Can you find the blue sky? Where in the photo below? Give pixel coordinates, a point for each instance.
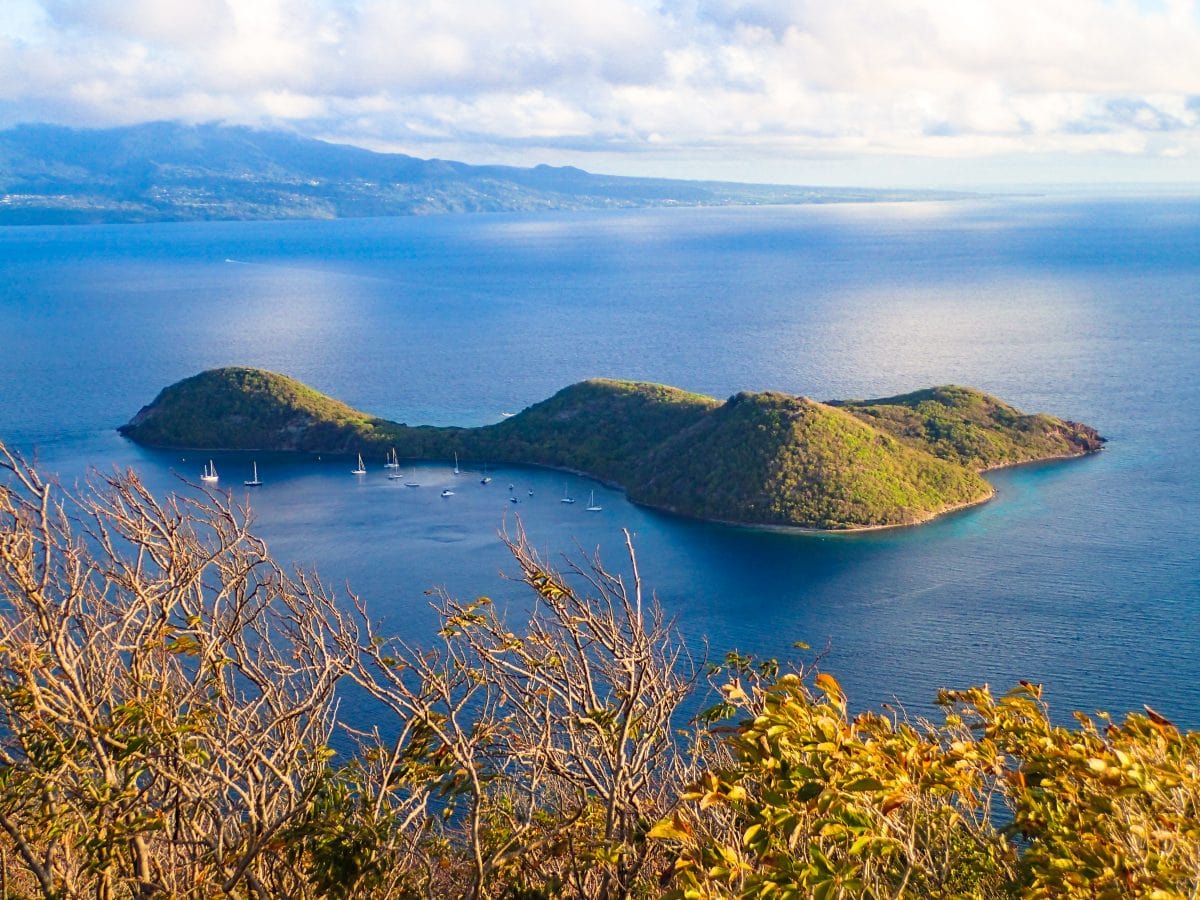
(881, 92)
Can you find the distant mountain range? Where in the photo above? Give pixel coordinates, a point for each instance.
(165, 171)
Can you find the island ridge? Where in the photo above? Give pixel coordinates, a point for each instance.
(766, 458)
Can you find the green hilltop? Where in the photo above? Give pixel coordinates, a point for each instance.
(758, 458)
(602, 427)
(972, 428)
(777, 459)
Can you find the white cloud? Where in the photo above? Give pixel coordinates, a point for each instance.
(180, 25)
(793, 78)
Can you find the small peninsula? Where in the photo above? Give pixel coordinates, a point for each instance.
(766, 458)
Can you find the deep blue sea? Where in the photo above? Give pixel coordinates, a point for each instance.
(1083, 575)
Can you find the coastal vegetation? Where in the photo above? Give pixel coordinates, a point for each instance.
(168, 709)
(776, 459)
(602, 427)
(973, 429)
(758, 458)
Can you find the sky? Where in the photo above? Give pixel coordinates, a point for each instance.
(906, 93)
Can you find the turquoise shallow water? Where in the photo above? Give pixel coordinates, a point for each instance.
(1083, 575)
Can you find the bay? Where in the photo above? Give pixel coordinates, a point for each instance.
(1082, 575)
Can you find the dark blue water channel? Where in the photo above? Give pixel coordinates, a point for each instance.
(1083, 575)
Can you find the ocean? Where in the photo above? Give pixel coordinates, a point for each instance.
(1082, 575)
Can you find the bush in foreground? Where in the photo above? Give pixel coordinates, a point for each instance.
(812, 802)
(168, 698)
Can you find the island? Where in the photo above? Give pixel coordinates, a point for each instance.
(763, 459)
(173, 172)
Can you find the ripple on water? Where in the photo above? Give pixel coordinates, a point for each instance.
(445, 533)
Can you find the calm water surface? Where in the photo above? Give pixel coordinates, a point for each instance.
(1083, 575)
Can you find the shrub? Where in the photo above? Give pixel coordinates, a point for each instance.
(168, 696)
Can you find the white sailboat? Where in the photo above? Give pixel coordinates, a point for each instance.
(393, 462)
(592, 507)
(566, 498)
(210, 472)
(456, 471)
(486, 479)
(361, 469)
(253, 482)
(414, 482)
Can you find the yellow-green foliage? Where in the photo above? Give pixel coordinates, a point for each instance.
(168, 696)
(1104, 810)
(996, 801)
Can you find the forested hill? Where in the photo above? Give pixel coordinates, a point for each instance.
(972, 428)
(758, 458)
(170, 172)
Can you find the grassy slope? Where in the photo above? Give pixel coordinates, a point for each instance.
(972, 428)
(765, 458)
(602, 427)
(596, 426)
(782, 460)
(248, 409)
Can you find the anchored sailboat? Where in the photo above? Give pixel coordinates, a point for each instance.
(253, 482)
(210, 472)
(361, 469)
(592, 507)
(393, 461)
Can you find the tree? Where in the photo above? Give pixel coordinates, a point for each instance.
(551, 747)
(166, 692)
(168, 697)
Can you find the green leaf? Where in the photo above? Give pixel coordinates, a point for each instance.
(669, 830)
(809, 791)
(865, 784)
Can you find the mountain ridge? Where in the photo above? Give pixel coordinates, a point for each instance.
(166, 171)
